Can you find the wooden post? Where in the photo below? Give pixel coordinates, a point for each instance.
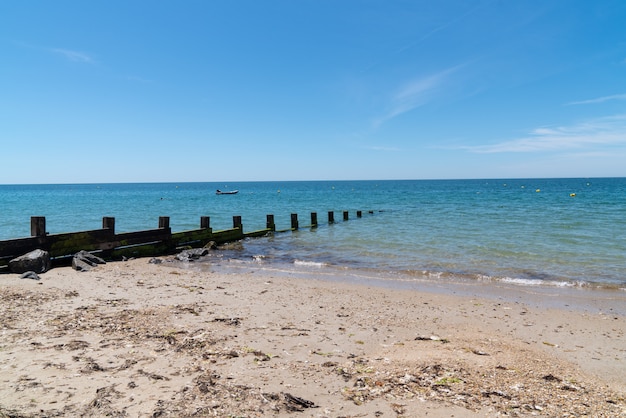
(237, 222)
(269, 224)
(164, 222)
(38, 226)
(331, 217)
(345, 215)
(108, 222)
(294, 221)
(313, 219)
(205, 222)
(358, 214)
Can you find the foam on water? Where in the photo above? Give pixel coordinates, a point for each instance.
(309, 263)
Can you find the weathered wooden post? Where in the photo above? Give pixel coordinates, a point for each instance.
(294, 221)
(331, 217)
(38, 226)
(108, 222)
(358, 214)
(237, 222)
(269, 223)
(164, 222)
(314, 219)
(205, 222)
(345, 215)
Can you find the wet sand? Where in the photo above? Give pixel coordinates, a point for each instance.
(144, 340)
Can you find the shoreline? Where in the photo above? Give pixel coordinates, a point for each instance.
(610, 300)
(143, 339)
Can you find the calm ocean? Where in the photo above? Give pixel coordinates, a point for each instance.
(555, 232)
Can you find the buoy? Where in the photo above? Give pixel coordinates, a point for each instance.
(572, 194)
(538, 190)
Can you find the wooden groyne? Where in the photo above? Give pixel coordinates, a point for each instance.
(148, 243)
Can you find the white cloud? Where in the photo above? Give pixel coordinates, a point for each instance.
(74, 55)
(600, 99)
(587, 135)
(415, 93)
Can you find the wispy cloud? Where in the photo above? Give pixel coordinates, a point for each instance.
(74, 55)
(68, 54)
(415, 93)
(587, 135)
(600, 99)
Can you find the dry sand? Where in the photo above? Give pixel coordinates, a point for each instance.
(139, 339)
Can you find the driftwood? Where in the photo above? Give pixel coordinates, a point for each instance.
(295, 403)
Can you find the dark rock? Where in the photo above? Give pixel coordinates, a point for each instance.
(192, 254)
(37, 261)
(85, 261)
(30, 275)
(80, 265)
(211, 245)
(232, 246)
(93, 259)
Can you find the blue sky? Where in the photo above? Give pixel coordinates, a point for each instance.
(151, 91)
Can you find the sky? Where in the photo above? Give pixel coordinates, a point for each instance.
(247, 90)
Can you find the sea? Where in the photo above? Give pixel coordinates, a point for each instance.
(551, 233)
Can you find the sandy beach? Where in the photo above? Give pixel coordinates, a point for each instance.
(143, 339)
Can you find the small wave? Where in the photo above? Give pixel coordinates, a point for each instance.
(538, 282)
(485, 278)
(309, 263)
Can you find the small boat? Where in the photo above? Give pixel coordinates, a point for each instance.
(226, 191)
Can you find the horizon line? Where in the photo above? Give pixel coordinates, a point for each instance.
(304, 181)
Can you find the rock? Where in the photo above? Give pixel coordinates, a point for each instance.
(232, 246)
(80, 265)
(89, 258)
(85, 261)
(192, 254)
(37, 261)
(30, 275)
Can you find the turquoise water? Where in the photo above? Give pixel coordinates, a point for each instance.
(526, 231)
